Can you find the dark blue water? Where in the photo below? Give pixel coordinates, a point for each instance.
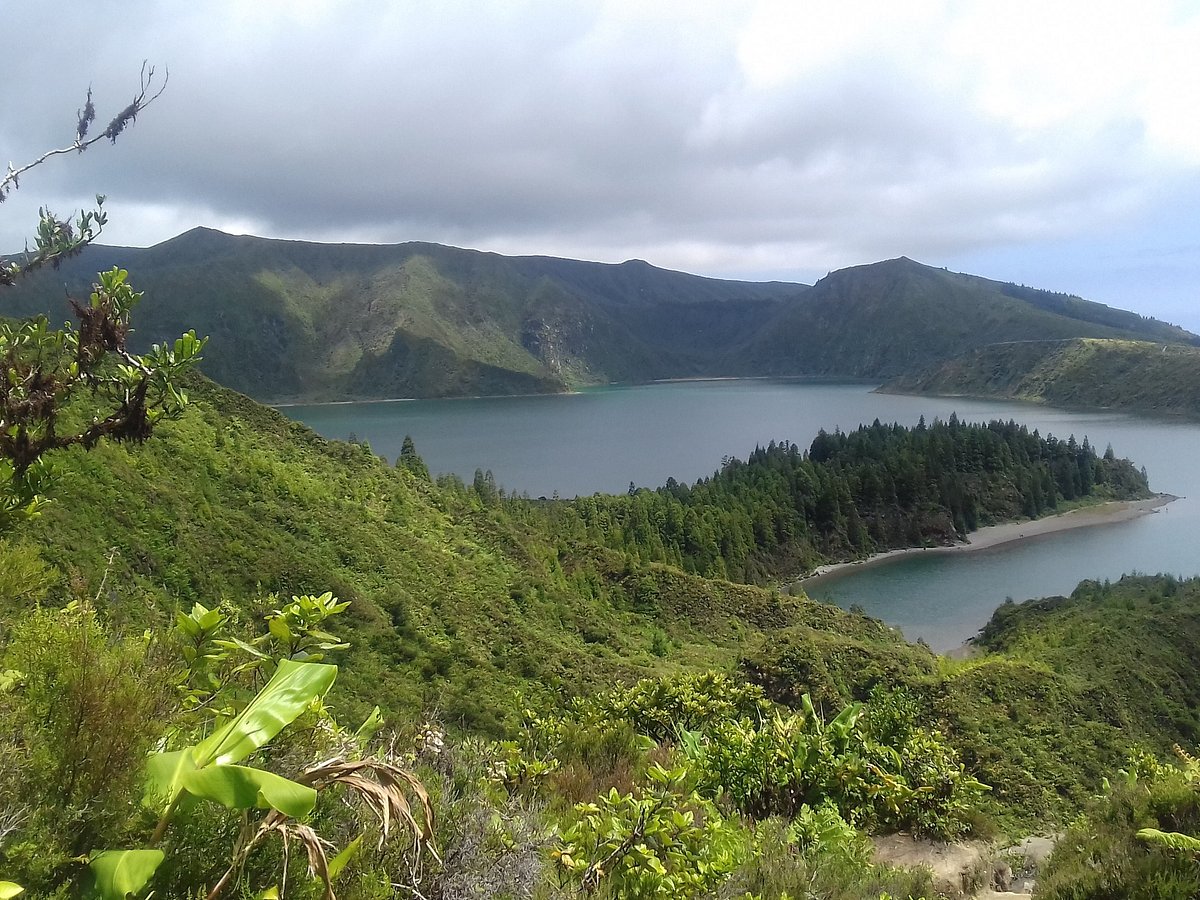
(606, 438)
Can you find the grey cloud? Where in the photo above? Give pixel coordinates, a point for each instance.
(545, 127)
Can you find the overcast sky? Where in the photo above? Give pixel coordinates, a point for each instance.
(1051, 143)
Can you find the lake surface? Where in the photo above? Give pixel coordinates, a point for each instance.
(603, 439)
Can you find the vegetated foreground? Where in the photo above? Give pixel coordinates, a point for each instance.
(470, 616)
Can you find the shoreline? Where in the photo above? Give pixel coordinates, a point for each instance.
(1006, 533)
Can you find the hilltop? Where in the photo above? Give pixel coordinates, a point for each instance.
(900, 316)
(300, 320)
(291, 320)
(1143, 376)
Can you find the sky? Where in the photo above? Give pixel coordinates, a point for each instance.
(1055, 144)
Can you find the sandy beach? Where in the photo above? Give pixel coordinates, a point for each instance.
(1011, 532)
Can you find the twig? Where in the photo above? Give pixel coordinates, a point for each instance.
(11, 180)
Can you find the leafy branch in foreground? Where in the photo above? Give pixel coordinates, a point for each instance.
(79, 384)
(59, 238)
(214, 769)
(76, 386)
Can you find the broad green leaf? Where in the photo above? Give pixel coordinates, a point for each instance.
(289, 692)
(339, 862)
(1172, 840)
(119, 873)
(242, 787)
(271, 893)
(9, 889)
(367, 729)
(279, 629)
(164, 774)
(236, 644)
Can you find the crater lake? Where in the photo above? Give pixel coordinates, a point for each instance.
(604, 439)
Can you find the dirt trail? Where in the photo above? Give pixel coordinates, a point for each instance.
(969, 869)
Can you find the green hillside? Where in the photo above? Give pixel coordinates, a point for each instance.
(293, 320)
(484, 616)
(899, 316)
(1111, 374)
(464, 598)
(290, 320)
(453, 596)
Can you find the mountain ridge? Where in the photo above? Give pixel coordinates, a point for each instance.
(295, 320)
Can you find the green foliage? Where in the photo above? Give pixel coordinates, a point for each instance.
(1092, 635)
(86, 708)
(818, 854)
(451, 604)
(782, 765)
(411, 460)
(1172, 840)
(292, 690)
(878, 488)
(1139, 376)
(661, 708)
(665, 843)
(1135, 840)
(77, 766)
(25, 579)
(119, 874)
(77, 386)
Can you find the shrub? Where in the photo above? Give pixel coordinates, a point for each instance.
(86, 707)
(667, 842)
(1104, 855)
(660, 707)
(779, 767)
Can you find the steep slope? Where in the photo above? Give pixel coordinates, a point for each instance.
(899, 316)
(295, 320)
(290, 319)
(1134, 375)
(1061, 691)
(454, 602)
(476, 608)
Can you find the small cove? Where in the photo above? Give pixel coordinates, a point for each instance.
(603, 439)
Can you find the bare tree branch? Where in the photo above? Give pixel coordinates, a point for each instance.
(86, 116)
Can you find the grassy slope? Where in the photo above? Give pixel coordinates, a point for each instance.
(453, 603)
(1063, 689)
(1118, 374)
(290, 319)
(463, 607)
(897, 316)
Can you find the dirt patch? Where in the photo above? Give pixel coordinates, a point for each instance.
(969, 869)
(958, 869)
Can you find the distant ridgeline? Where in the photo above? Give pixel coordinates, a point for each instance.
(299, 321)
(878, 488)
(1083, 372)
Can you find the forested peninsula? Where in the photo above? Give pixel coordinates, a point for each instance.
(881, 487)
